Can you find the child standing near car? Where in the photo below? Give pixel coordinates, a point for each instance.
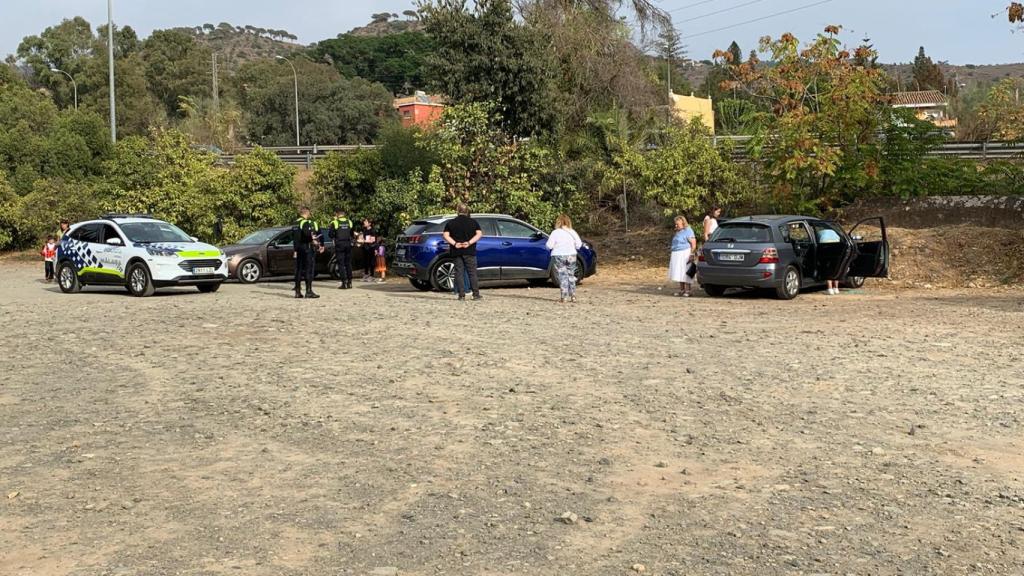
(380, 265)
(49, 253)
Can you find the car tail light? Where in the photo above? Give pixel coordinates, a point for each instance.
(417, 239)
(769, 256)
(700, 257)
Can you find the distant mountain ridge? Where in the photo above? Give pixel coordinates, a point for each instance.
(236, 45)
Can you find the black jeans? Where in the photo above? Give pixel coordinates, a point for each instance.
(466, 264)
(368, 254)
(343, 256)
(305, 266)
(48, 269)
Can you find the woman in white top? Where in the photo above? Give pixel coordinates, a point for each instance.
(711, 222)
(563, 243)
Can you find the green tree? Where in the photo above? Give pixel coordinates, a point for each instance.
(735, 54)
(259, 191)
(485, 54)
(175, 66)
(1003, 112)
(927, 74)
(332, 109)
(394, 60)
(346, 180)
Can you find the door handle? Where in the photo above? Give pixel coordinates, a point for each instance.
(506, 243)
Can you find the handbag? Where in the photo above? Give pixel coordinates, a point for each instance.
(692, 270)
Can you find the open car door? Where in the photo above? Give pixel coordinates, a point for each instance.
(872, 241)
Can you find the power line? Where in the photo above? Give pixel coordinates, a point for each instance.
(738, 24)
(694, 5)
(722, 11)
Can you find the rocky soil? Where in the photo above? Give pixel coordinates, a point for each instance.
(388, 431)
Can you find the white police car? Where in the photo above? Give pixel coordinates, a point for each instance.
(138, 252)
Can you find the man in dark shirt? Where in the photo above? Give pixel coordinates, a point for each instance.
(306, 242)
(341, 231)
(462, 233)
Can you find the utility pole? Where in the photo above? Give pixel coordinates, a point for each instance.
(110, 65)
(216, 90)
(73, 83)
(296, 76)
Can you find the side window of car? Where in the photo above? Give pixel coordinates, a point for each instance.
(285, 239)
(87, 233)
(826, 233)
(510, 229)
(107, 232)
(488, 226)
(798, 233)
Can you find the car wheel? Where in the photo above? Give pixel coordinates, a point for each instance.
(140, 283)
(790, 284)
(249, 271)
(423, 285)
(67, 279)
(208, 288)
(442, 276)
(333, 269)
(853, 282)
(713, 290)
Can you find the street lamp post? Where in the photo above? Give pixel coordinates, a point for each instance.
(295, 75)
(110, 66)
(73, 83)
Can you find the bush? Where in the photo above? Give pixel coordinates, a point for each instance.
(258, 192)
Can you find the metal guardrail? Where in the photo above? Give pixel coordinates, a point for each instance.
(981, 151)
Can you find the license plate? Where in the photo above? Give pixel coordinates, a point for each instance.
(400, 253)
(203, 270)
(731, 257)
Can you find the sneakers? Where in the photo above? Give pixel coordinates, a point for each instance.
(311, 294)
(298, 294)
(832, 291)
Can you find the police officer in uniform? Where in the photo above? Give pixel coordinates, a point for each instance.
(341, 231)
(307, 243)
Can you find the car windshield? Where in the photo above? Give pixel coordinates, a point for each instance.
(153, 232)
(742, 232)
(259, 237)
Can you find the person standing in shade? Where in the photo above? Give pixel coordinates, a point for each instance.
(368, 242)
(462, 233)
(684, 242)
(306, 240)
(711, 222)
(341, 232)
(564, 242)
(829, 236)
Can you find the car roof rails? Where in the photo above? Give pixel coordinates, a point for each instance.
(122, 216)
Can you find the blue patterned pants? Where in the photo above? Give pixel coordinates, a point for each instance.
(565, 271)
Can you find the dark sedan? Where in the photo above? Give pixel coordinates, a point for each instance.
(268, 252)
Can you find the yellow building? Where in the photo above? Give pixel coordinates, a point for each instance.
(687, 108)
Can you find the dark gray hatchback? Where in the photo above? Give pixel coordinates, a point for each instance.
(790, 253)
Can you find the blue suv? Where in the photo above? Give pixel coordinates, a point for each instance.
(510, 249)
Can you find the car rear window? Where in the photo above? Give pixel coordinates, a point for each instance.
(742, 232)
(423, 228)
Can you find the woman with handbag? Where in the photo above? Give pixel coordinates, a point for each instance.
(683, 245)
(564, 242)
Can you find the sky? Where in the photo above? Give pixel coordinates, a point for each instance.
(957, 31)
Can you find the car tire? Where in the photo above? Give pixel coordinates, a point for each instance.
(853, 282)
(790, 286)
(138, 281)
(333, 269)
(581, 271)
(442, 275)
(249, 271)
(208, 288)
(67, 279)
(421, 285)
(713, 290)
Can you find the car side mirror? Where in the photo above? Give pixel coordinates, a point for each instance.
(538, 236)
(194, 239)
(114, 242)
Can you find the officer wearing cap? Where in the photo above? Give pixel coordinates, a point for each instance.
(306, 234)
(341, 231)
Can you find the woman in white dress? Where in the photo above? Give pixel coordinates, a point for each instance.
(684, 242)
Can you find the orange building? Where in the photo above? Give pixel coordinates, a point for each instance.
(419, 110)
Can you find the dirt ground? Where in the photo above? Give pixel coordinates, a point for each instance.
(387, 431)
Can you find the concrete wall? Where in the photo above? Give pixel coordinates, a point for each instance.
(689, 107)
